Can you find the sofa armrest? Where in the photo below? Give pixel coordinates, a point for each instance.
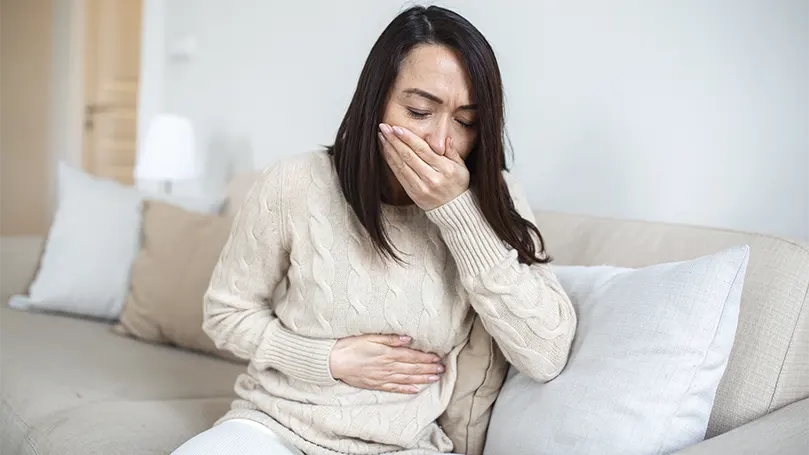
(19, 261)
(783, 432)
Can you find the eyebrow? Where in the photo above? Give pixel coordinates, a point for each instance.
(429, 96)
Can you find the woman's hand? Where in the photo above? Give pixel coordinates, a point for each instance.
(429, 178)
(382, 362)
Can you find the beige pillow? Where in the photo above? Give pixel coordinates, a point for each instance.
(170, 276)
(482, 369)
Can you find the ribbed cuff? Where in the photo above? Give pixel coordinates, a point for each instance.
(469, 237)
(299, 357)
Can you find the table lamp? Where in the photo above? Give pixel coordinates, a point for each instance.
(169, 151)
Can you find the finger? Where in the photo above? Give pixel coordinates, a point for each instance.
(391, 158)
(416, 159)
(390, 340)
(414, 378)
(399, 388)
(417, 368)
(452, 153)
(406, 176)
(408, 160)
(407, 355)
(404, 173)
(418, 145)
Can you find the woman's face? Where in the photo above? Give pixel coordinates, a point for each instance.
(431, 97)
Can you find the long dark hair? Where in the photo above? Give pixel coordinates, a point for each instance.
(358, 160)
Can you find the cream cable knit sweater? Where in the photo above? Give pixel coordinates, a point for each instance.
(298, 273)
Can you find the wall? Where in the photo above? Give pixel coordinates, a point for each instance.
(674, 110)
(67, 85)
(25, 78)
(153, 63)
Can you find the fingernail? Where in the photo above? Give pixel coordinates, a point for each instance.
(398, 131)
(433, 378)
(384, 128)
(437, 359)
(380, 136)
(404, 338)
(414, 389)
(440, 369)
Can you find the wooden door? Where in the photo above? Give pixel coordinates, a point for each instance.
(112, 70)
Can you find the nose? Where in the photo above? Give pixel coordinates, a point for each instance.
(437, 136)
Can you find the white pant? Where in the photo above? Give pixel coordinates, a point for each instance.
(237, 437)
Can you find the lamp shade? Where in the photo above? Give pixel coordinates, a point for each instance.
(169, 150)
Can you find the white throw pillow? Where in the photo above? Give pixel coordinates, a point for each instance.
(651, 347)
(91, 245)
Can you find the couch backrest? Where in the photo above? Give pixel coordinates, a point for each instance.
(237, 191)
(769, 363)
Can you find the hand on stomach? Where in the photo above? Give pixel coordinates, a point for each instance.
(383, 362)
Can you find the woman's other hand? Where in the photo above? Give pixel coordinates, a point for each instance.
(383, 362)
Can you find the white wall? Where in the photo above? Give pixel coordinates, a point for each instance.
(67, 86)
(673, 110)
(153, 63)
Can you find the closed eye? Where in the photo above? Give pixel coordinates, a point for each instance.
(417, 114)
(465, 124)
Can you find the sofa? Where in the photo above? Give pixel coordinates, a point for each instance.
(70, 386)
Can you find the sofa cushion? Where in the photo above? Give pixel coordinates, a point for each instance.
(91, 244)
(119, 428)
(179, 250)
(237, 190)
(651, 347)
(769, 363)
(63, 376)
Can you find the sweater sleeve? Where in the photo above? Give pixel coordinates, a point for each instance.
(238, 312)
(524, 308)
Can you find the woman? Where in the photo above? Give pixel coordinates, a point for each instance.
(352, 276)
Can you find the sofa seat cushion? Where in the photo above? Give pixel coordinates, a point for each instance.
(70, 386)
(119, 428)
